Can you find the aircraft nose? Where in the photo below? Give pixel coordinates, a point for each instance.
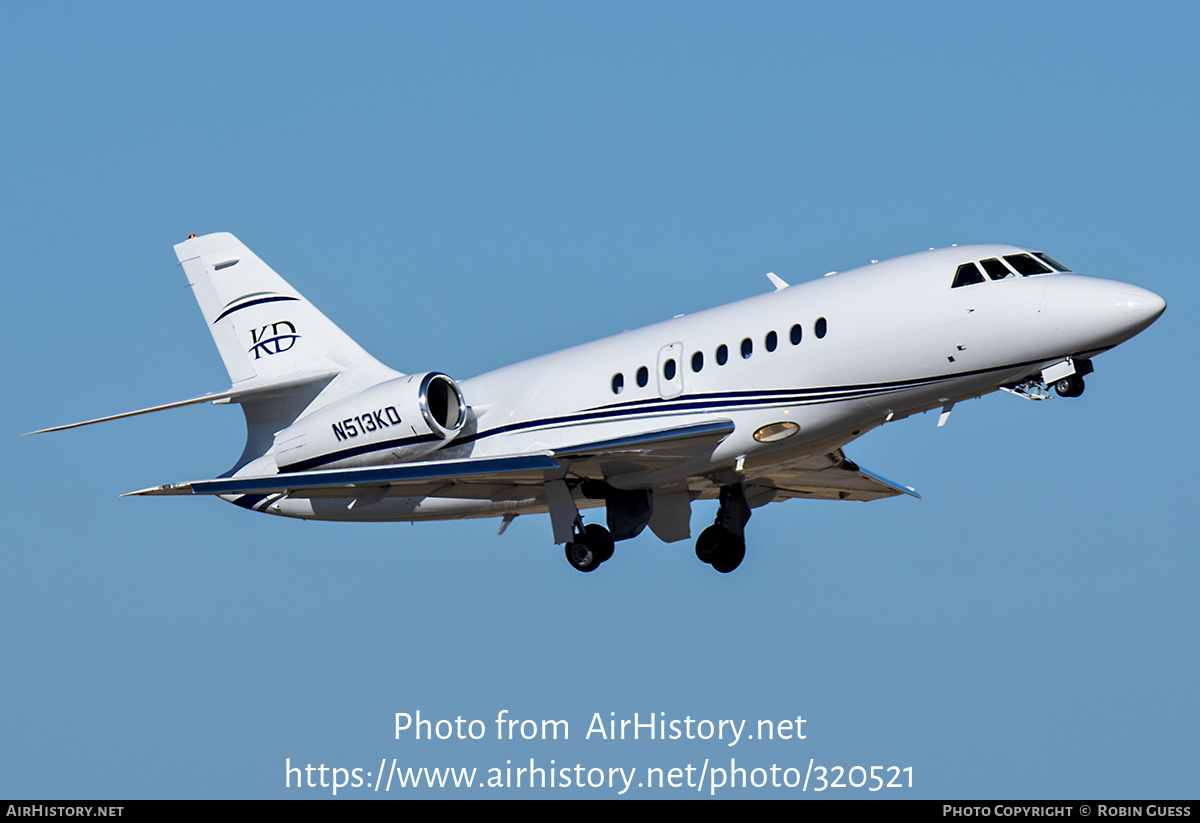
(1090, 313)
(1146, 302)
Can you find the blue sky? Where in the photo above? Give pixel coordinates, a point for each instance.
(462, 186)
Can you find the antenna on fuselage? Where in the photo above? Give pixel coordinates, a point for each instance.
(778, 281)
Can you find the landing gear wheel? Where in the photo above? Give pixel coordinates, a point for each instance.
(720, 549)
(583, 556)
(730, 555)
(708, 544)
(723, 544)
(1071, 386)
(601, 540)
(593, 544)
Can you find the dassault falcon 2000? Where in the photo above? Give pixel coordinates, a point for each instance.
(747, 403)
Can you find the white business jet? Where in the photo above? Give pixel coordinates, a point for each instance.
(747, 403)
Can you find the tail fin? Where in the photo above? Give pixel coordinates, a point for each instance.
(280, 351)
(264, 329)
(283, 356)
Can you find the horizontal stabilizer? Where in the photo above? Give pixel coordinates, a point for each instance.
(246, 391)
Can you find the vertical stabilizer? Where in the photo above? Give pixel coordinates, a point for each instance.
(270, 336)
(264, 329)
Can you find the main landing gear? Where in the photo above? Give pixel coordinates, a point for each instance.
(591, 546)
(723, 544)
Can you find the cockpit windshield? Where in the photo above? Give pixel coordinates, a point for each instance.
(1025, 265)
(968, 274)
(1054, 264)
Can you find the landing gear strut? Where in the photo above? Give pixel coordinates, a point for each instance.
(592, 545)
(723, 544)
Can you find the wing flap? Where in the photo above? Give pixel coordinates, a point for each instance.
(645, 452)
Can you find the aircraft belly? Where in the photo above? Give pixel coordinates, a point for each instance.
(934, 394)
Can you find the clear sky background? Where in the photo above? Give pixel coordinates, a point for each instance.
(461, 186)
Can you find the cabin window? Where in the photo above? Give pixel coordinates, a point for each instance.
(1050, 261)
(697, 361)
(967, 275)
(995, 269)
(643, 376)
(618, 383)
(669, 369)
(722, 354)
(747, 348)
(1025, 265)
(796, 334)
(820, 327)
(772, 340)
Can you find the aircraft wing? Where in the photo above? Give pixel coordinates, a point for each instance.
(413, 478)
(827, 476)
(647, 451)
(494, 478)
(823, 477)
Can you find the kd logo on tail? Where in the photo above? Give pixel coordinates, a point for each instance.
(281, 338)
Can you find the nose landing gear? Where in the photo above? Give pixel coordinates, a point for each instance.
(1070, 386)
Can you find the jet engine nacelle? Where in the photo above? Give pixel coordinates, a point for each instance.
(394, 422)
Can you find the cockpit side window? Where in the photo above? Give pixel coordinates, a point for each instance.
(1054, 264)
(967, 275)
(995, 269)
(1025, 265)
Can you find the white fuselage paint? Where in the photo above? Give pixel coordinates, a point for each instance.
(899, 341)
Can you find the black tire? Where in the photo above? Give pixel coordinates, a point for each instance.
(582, 556)
(731, 554)
(1071, 386)
(708, 544)
(601, 540)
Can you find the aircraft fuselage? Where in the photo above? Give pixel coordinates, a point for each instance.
(747, 403)
(836, 356)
